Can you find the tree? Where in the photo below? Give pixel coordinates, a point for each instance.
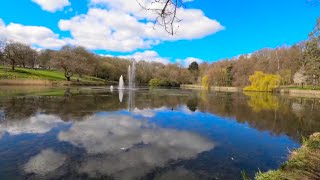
(263, 82)
(205, 84)
(286, 77)
(65, 59)
(16, 53)
(229, 78)
(312, 54)
(194, 69)
(32, 59)
(2, 46)
(86, 63)
(300, 77)
(45, 58)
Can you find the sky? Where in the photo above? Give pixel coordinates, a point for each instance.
(210, 30)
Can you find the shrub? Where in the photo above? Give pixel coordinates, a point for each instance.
(157, 82)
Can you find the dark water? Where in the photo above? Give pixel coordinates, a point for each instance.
(148, 134)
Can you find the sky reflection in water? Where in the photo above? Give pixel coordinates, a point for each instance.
(156, 134)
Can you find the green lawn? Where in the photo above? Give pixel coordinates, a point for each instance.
(32, 74)
(304, 88)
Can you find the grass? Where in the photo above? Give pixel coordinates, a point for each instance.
(51, 75)
(303, 163)
(304, 88)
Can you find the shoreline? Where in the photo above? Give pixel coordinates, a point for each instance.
(214, 88)
(282, 91)
(303, 163)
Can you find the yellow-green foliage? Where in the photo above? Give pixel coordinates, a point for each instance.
(262, 101)
(263, 82)
(205, 82)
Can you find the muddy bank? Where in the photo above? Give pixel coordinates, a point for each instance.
(213, 88)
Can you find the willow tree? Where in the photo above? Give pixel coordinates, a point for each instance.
(263, 82)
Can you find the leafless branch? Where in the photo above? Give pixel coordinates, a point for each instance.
(166, 13)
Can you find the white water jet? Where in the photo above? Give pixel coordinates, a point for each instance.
(121, 83)
(132, 75)
(111, 88)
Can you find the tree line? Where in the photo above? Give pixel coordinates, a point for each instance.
(77, 60)
(298, 64)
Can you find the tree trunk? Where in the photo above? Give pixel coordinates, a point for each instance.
(13, 66)
(68, 75)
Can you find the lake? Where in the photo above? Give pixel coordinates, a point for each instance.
(93, 133)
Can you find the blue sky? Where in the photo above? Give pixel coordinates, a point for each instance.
(211, 29)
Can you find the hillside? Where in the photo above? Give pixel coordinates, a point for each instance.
(30, 76)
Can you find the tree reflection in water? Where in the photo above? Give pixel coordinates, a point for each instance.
(87, 129)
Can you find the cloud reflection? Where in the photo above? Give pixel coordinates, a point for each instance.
(38, 124)
(45, 162)
(130, 148)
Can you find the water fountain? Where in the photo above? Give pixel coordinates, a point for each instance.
(131, 86)
(132, 75)
(121, 83)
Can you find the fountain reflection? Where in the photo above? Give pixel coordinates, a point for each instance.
(131, 100)
(120, 91)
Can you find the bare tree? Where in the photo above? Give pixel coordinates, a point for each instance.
(65, 60)
(16, 53)
(2, 46)
(166, 13)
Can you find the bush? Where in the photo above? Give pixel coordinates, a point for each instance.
(263, 82)
(156, 82)
(205, 82)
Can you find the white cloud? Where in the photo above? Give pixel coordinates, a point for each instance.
(149, 56)
(32, 35)
(52, 5)
(124, 26)
(186, 62)
(153, 56)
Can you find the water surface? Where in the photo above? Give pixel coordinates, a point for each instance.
(92, 133)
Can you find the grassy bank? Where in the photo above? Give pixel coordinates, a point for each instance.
(303, 163)
(24, 76)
